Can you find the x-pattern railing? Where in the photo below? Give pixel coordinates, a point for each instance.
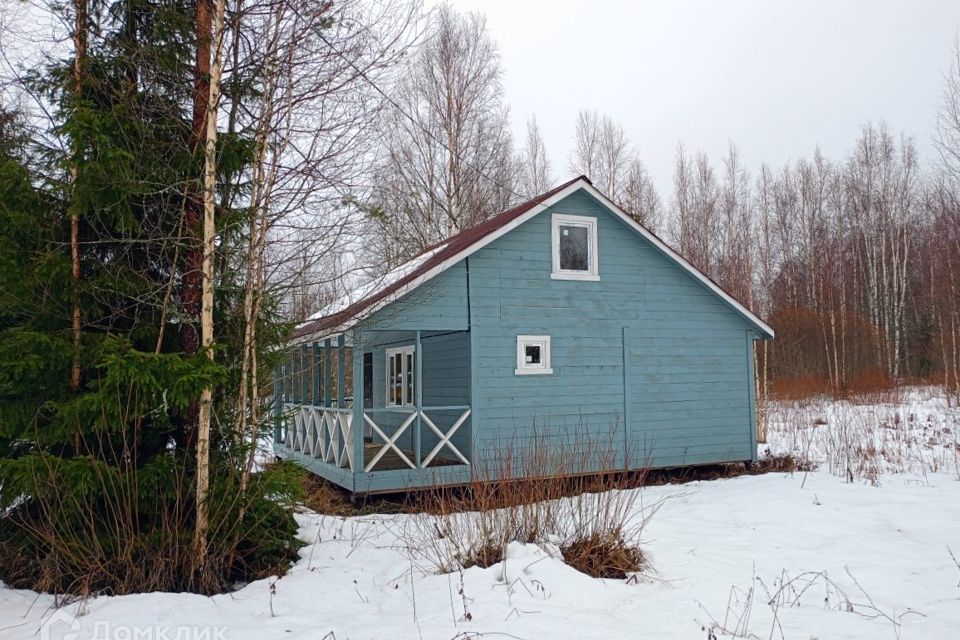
(321, 432)
(326, 433)
(389, 443)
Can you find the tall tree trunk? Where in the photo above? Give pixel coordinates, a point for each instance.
(80, 52)
(250, 290)
(192, 283)
(206, 312)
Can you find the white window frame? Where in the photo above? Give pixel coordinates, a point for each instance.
(525, 369)
(404, 371)
(593, 270)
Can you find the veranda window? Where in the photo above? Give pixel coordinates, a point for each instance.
(401, 364)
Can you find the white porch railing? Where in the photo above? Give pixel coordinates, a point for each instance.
(390, 442)
(321, 432)
(327, 434)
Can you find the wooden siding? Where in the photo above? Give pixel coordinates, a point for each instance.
(681, 378)
(439, 304)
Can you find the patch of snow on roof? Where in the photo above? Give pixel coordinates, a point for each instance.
(386, 280)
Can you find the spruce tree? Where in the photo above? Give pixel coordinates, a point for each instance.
(97, 478)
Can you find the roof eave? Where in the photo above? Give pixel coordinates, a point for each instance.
(333, 324)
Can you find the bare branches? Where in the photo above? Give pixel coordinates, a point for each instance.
(448, 160)
(603, 152)
(947, 136)
(318, 121)
(534, 164)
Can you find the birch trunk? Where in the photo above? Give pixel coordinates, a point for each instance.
(206, 312)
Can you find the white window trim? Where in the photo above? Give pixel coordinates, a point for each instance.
(593, 255)
(386, 375)
(524, 369)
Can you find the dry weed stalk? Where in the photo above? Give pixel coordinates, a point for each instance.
(791, 591)
(862, 440)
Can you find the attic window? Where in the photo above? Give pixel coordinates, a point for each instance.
(533, 355)
(574, 248)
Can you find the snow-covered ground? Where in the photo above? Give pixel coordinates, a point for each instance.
(807, 555)
(907, 430)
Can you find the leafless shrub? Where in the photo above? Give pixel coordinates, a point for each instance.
(577, 502)
(955, 561)
(781, 463)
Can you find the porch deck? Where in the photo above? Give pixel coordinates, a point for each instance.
(407, 449)
(391, 460)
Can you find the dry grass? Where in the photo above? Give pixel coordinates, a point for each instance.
(780, 463)
(900, 430)
(867, 386)
(604, 556)
(799, 387)
(325, 497)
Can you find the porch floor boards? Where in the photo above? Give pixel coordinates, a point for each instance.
(391, 461)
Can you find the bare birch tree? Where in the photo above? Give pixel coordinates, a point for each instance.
(587, 143)
(314, 130)
(639, 197)
(534, 164)
(945, 227)
(947, 136)
(734, 251)
(448, 157)
(881, 177)
(763, 276)
(603, 152)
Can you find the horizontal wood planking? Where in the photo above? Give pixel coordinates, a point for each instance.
(688, 387)
(402, 479)
(440, 303)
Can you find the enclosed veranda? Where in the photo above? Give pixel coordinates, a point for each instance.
(377, 411)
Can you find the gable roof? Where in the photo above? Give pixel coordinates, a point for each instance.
(440, 257)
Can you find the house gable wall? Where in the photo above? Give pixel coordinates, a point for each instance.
(647, 340)
(650, 367)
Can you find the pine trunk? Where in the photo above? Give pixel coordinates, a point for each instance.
(80, 52)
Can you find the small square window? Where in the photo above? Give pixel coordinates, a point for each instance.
(574, 248)
(533, 355)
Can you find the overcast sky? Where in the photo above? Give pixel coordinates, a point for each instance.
(776, 77)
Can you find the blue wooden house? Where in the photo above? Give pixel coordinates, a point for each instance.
(558, 326)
